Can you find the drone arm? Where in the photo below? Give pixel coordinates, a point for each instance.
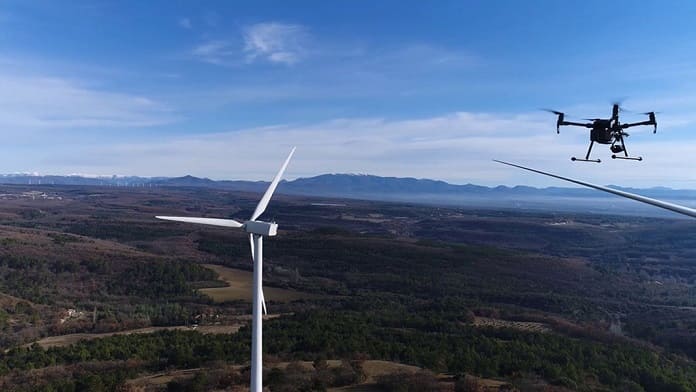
(586, 125)
(651, 121)
(629, 125)
(648, 122)
(561, 121)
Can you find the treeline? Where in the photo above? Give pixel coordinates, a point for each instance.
(87, 377)
(452, 348)
(488, 353)
(123, 231)
(160, 350)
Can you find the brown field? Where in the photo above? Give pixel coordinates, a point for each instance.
(66, 340)
(40, 243)
(161, 379)
(372, 368)
(240, 287)
(528, 326)
(375, 369)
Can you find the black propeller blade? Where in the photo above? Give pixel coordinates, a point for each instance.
(553, 111)
(651, 118)
(561, 117)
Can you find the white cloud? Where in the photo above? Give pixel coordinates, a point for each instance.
(456, 147)
(275, 42)
(37, 102)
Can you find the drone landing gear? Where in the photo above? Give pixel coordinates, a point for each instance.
(616, 148)
(629, 158)
(587, 157)
(585, 160)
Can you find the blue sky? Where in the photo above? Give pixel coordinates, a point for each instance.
(400, 88)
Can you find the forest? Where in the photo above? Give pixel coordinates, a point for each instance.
(387, 283)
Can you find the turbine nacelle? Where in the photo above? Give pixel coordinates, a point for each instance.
(261, 228)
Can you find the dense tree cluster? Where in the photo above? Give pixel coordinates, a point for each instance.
(488, 353)
(160, 279)
(122, 231)
(321, 334)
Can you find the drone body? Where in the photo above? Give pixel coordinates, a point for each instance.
(607, 131)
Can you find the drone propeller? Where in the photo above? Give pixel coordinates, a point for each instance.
(553, 111)
(591, 119)
(619, 101)
(651, 117)
(559, 122)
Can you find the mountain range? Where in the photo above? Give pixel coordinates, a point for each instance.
(359, 186)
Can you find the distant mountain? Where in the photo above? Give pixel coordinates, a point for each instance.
(350, 186)
(368, 184)
(185, 181)
(36, 179)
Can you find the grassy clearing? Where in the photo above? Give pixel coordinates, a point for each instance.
(240, 287)
(527, 326)
(66, 340)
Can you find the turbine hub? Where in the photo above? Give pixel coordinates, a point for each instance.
(266, 229)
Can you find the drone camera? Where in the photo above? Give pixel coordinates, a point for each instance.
(616, 148)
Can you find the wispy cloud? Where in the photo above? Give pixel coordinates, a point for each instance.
(423, 56)
(217, 52)
(275, 42)
(290, 44)
(185, 23)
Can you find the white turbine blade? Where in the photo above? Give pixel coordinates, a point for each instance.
(251, 243)
(203, 221)
(657, 203)
(253, 258)
(263, 303)
(263, 203)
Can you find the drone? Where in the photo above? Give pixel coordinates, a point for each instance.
(606, 131)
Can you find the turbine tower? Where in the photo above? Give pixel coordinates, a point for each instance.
(257, 230)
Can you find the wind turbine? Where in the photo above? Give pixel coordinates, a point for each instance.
(257, 230)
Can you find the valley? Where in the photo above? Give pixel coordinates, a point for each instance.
(529, 299)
